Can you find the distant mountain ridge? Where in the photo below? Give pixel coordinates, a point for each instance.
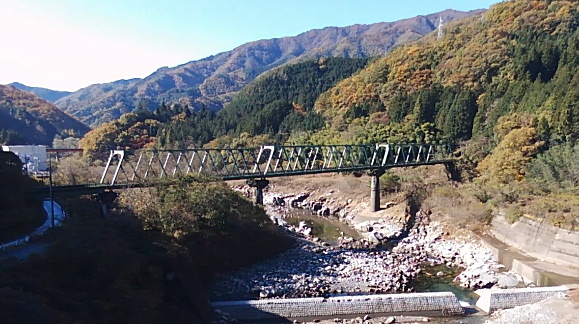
(46, 94)
(212, 81)
(28, 119)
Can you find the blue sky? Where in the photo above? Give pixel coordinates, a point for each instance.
(70, 44)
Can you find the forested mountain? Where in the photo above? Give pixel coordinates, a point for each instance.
(27, 119)
(109, 101)
(504, 84)
(46, 94)
(212, 81)
(280, 101)
(520, 58)
(515, 66)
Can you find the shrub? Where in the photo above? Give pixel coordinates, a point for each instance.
(192, 205)
(487, 216)
(390, 182)
(513, 214)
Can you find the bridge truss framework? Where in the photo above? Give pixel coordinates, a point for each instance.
(138, 167)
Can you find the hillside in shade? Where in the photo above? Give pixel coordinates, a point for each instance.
(28, 119)
(212, 81)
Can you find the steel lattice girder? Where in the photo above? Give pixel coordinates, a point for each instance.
(268, 161)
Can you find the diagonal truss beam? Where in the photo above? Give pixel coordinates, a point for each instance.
(268, 161)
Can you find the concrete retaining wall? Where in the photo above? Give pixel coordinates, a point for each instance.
(541, 240)
(444, 302)
(494, 299)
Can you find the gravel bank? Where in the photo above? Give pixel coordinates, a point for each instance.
(312, 269)
(550, 311)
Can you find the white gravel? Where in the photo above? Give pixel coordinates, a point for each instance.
(313, 270)
(550, 311)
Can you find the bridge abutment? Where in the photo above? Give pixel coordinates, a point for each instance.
(259, 185)
(375, 189)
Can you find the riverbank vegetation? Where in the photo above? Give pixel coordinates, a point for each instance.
(205, 214)
(147, 262)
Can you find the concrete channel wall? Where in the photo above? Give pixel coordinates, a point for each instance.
(494, 299)
(445, 303)
(538, 239)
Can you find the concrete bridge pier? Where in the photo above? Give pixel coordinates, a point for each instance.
(452, 171)
(259, 185)
(375, 189)
(107, 199)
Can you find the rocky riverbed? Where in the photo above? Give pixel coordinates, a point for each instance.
(314, 268)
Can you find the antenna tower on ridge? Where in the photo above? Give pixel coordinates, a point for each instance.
(440, 31)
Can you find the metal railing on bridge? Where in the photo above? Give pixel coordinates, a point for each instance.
(268, 161)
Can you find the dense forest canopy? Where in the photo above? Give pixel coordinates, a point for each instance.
(132, 131)
(520, 56)
(277, 103)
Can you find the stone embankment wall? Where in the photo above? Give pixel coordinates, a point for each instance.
(443, 303)
(494, 299)
(540, 240)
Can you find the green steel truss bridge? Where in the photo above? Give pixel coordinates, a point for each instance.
(134, 168)
(147, 168)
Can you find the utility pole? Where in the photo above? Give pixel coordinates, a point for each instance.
(50, 189)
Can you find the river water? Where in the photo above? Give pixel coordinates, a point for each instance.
(329, 230)
(431, 279)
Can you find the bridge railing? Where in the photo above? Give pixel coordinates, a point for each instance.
(267, 161)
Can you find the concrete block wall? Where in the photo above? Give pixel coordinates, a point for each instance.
(444, 302)
(539, 239)
(494, 299)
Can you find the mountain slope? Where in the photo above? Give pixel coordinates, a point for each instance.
(520, 58)
(212, 81)
(46, 94)
(279, 101)
(27, 119)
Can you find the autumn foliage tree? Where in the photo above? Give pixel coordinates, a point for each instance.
(509, 159)
(132, 131)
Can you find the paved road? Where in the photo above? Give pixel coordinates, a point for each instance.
(22, 252)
